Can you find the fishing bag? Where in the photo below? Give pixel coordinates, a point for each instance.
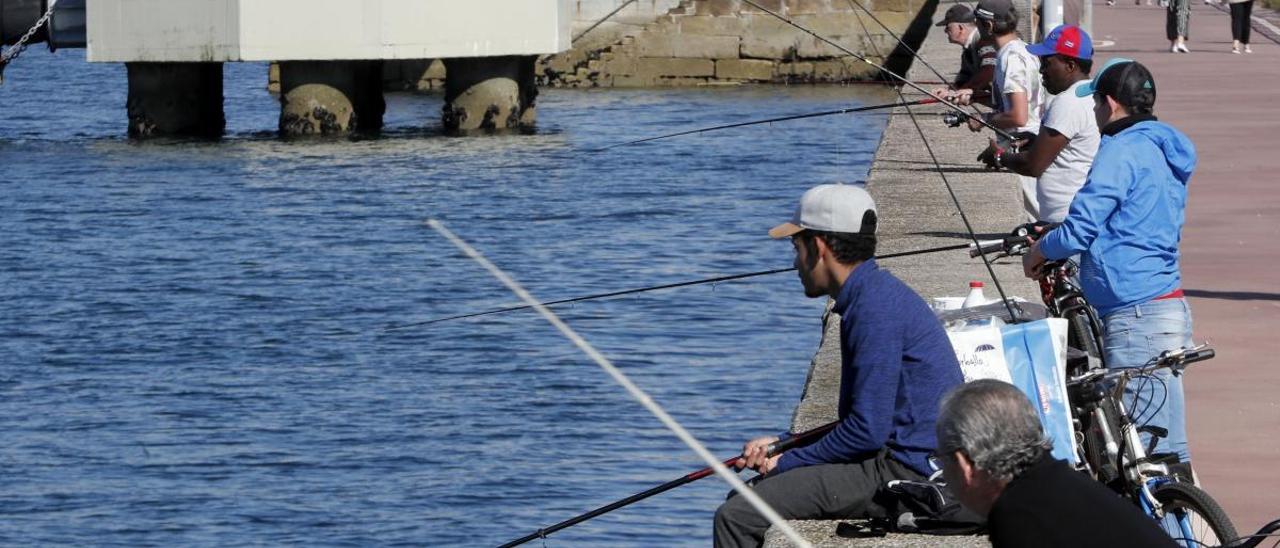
(929, 508)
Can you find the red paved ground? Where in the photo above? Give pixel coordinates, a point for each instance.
(1227, 104)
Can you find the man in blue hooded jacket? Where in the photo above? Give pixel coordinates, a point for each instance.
(1126, 222)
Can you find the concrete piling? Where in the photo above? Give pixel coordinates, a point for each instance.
(490, 93)
(175, 99)
(330, 97)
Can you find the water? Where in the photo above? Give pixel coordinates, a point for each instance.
(193, 346)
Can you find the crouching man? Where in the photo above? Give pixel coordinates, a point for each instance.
(896, 363)
(995, 458)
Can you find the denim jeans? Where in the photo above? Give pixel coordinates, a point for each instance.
(1134, 336)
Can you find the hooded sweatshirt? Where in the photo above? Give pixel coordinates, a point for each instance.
(1127, 218)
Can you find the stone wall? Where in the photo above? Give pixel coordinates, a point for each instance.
(708, 42)
(728, 41)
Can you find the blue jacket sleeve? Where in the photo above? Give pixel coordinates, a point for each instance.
(876, 371)
(1103, 192)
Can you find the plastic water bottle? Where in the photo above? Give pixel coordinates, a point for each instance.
(975, 298)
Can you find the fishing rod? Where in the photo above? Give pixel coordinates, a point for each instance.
(960, 110)
(899, 39)
(776, 448)
(769, 121)
(620, 293)
(636, 392)
(901, 42)
(986, 261)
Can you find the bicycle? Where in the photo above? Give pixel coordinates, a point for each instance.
(1186, 512)
(1107, 439)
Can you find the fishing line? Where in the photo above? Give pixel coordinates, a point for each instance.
(914, 54)
(720, 469)
(986, 261)
(619, 293)
(882, 69)
(767, 121)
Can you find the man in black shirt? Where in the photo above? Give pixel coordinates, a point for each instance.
(995, 458)
(977, 61)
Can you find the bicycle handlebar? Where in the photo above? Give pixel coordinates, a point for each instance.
(1170, 358)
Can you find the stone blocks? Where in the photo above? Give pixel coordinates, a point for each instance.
(745, 69)
(673, 67)
(708, 41)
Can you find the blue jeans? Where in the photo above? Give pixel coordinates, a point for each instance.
(1134, 336)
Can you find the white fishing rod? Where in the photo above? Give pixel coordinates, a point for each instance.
(720, 469)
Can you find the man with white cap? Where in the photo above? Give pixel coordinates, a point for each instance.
(896, 363)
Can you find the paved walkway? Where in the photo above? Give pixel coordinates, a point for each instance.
(1231, 243)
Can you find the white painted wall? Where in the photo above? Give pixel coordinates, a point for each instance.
(303, 30)
(586, 12)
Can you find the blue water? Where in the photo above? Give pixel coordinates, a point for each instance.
(193, 345)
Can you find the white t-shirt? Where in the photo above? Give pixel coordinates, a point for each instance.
(1072, 117)
(1018, 70)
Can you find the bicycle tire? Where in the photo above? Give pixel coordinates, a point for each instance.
(1204, 517)
(1081, 335)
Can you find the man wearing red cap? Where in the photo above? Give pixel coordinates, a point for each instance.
(1061, 155)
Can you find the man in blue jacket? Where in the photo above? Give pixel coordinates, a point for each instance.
(896, 363)
(1126, 221)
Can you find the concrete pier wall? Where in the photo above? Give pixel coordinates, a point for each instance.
(728, 41)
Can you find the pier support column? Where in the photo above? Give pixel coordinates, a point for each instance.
(330, 97)
(175, 99)
(490, 93)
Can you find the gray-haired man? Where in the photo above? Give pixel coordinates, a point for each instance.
(995, 458)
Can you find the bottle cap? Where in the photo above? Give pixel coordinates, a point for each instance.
(975, 284)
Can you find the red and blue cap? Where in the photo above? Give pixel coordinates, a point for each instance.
(1068, 40)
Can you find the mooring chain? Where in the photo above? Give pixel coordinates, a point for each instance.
(21, 46)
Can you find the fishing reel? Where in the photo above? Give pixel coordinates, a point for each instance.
(952, 118)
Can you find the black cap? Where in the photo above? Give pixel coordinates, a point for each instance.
(958, 13)
(995, 10)
(1129, 83)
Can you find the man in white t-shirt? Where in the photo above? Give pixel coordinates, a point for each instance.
(1016, 91)
(1061, 155)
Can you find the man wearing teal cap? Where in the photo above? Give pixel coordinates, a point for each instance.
(1126, 222)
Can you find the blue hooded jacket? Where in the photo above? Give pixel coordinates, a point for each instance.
(1127, 218)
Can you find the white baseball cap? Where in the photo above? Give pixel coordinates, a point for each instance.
(831, 208)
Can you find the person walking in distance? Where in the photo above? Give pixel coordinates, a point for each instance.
(1177, 23)
(1241, 13)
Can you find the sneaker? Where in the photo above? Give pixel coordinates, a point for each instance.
(1182, 48)
(1235, 50)
(1247, 49)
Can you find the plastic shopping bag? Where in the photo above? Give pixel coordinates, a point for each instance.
(1036, 353)
(980, 353)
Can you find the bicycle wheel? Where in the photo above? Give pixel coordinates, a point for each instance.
(1192, 517)
(1082, 335)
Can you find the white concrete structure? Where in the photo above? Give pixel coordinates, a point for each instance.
(586, 12)
(323, 30)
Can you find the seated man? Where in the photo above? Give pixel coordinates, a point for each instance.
(896, 363)
(995, 458)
